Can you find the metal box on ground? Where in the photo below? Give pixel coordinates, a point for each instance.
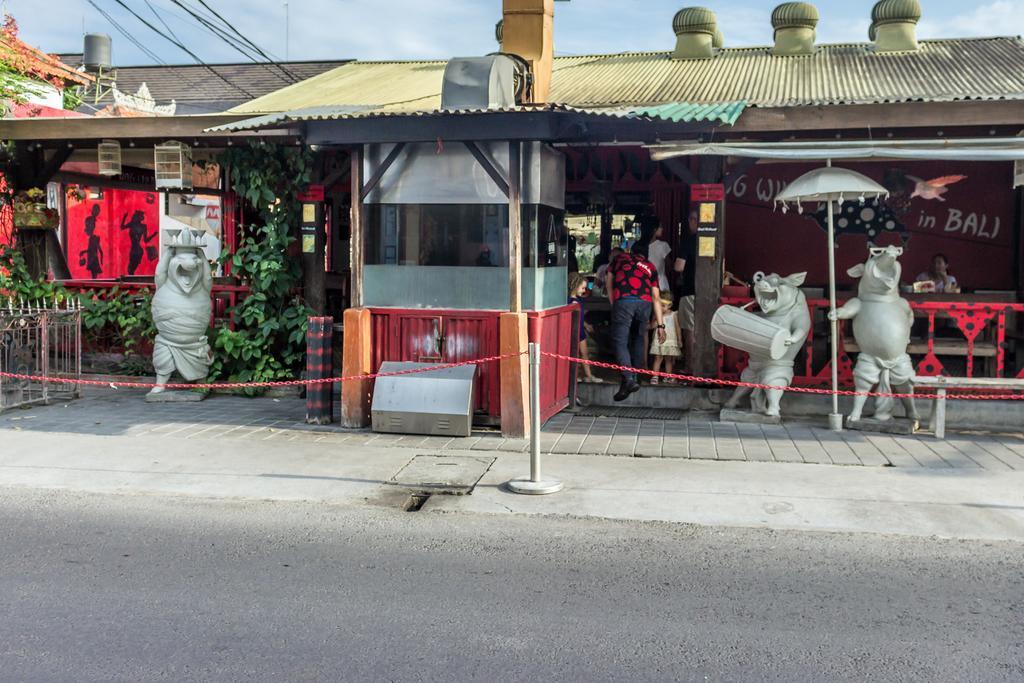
(437, 402)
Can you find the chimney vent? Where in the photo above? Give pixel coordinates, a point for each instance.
(498, 30)
(794, 24)
(894, 25)
(696, 33)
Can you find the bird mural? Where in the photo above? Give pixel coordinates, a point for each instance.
(934, 188)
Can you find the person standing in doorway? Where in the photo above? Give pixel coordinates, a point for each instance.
(686, 289)
(657, 253)
(632, 285)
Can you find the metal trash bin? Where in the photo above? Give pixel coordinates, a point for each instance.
(437, 402)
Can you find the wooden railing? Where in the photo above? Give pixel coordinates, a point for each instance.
(948, 338)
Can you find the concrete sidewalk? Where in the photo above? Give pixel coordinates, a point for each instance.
(953, 503)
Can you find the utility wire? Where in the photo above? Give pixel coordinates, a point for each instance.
(256, 47)
(161, 20)
(182, 47)
(234, 43)
(156, 58)
(149, 53)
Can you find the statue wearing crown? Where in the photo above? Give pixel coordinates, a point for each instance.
(181, 311)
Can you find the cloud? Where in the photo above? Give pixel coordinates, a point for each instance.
(414, 29)
(999, 18)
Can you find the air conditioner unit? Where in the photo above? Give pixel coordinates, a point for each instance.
(479, 83)
(172, 163)
(109, 157)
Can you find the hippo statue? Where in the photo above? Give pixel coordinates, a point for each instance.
(881, 327)
(783, 304)
(181, 311)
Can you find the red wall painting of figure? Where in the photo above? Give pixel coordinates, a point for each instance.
(114, 235)
(961, 209)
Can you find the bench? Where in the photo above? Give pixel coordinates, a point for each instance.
(937, 416)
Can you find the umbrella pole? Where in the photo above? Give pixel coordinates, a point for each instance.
(835, 418)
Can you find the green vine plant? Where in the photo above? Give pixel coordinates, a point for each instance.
(268, 341)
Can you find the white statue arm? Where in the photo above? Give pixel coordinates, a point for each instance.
(800, 327)
(160, 276)
(848, 310)
(207, 276)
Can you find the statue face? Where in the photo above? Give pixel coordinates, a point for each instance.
(881, 273)
(185, 270)
(775, 293)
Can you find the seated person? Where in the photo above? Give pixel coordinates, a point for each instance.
(938, 274)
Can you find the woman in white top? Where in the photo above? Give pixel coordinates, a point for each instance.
(939, 274)
(657, 253)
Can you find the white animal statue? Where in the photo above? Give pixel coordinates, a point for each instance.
(881, 327)
(181, 311)
(783, 304)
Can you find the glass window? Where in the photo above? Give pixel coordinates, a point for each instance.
(437, 234)
(462, 235)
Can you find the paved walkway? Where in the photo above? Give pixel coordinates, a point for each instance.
(698, 436)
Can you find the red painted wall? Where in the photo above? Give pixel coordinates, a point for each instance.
(974, 226)
(125, 236)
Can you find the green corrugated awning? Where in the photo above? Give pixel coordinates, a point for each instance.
(678, 112)
(674, 112)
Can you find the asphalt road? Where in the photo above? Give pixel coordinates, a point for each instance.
(124, 588)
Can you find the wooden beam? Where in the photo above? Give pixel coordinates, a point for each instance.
(117, 127)
(515, 229)
(60, 155)
(878, 117)
(313, 268)
(356, 230)
(486, 164)
(708, 275)
(378, 174)
(680, 167)
(72, 178)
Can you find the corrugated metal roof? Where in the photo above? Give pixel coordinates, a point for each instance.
(676, 112)
(942, 70)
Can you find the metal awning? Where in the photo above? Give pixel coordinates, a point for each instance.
(673, 112)
(966, 149)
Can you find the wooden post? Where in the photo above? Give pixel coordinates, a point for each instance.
(314, 244)
(515, 229)
(512, 331)
(355, 261)
(709, 196)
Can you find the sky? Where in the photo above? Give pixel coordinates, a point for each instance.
(418, 29)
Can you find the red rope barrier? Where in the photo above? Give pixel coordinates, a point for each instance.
(692, 379)
(253, 385)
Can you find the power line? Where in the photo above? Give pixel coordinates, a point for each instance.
(149, 53)
(256, 47)
(227, 38)
(156, 58)
(182, 47)
(161, 20)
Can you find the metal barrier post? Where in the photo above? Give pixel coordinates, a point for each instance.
(534, 485)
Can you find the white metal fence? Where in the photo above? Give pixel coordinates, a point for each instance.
(42, 340)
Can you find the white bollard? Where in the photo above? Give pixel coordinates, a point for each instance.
(534, 485)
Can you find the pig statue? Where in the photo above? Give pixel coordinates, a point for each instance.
(782, 303)
(881, 327)
(181, 312)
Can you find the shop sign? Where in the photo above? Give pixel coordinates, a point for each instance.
(313, 193)
(708, 192)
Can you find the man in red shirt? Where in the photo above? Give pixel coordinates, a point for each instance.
(632, 286)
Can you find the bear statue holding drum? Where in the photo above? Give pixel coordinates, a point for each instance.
(772, 337)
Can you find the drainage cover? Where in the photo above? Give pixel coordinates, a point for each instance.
(455, 474)
(640, 412)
